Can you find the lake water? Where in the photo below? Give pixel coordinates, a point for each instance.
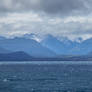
(45, 76)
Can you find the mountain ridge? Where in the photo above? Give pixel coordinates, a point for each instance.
(67, 47)
(29, 46)
(49, 46)
(15, 56)
(22, 56)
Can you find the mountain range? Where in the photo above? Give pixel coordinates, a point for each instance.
(15, 56)
(22, 56)
(29, 47)
(66, 46)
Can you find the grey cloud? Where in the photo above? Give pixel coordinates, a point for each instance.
(30, 21)
(62, 6)
(48, 6)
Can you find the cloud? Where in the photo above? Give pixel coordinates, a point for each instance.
(18, 24)
(62, 7)
(68, 18)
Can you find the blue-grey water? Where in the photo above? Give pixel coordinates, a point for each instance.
(46, 76)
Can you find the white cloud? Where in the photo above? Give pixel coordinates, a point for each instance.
(17, 24)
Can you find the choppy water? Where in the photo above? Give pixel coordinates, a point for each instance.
(46, 77)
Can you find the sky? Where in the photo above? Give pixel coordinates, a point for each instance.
(60, 18)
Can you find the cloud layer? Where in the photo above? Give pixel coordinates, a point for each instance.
(69, 18)
(62, 7)
(49, 6)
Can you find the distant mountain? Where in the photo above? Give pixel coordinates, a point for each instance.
(52, 43)
(60, 47)
(83, 47)
(3, 50)
(67, 47)
(29, 46)
(86, 46)
(15, 56)
(48, 47)
(31, 36)
(1, 38)
(22, 56)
